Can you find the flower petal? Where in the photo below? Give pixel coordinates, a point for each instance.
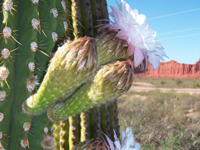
(138, 57)
(130, 50)
(110, 142)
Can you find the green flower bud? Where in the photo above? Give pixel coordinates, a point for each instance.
(110, 82)
(73, 64)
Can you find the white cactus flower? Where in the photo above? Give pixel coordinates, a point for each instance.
(128, 142)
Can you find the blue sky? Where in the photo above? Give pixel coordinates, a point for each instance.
(177, 23)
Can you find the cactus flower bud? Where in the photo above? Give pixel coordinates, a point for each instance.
(110, 82)
(72, 65)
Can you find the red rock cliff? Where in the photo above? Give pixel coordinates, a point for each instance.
(172, 69)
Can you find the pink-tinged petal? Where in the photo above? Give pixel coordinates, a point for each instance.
(123, 135)
(117, 15)
(111, 14)
(115, 27)
(138, 57)
(154, 60)
(110, 142)
(121, 33)
(103, 27)
(130, 50)
(106, 144)
(117, 145)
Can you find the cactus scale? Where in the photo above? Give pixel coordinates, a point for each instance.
(31, 30)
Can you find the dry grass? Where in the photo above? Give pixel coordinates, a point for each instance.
(163, 121)
(171, 83)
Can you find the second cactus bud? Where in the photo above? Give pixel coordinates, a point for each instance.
(110, 82)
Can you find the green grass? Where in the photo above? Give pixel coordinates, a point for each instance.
(171, 83)
(160, 121)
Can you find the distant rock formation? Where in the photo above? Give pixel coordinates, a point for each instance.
(171, 69)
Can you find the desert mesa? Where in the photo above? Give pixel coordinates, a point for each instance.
(171, 69)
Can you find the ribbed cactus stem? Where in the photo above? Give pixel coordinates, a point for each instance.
(74, 125)
(76, 18)
(95, 118)
(87, 20)
(104, 10)
(64, 135)
(116, 119)
(105, 120)
(85, 126)
(112, 116)
(25, 34)
(96, 14)
(56, 134)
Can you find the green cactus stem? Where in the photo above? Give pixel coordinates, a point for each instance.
(56, 129)
(73, 64)
(85, 126)
(74, 125)
(25, 34)
(64, 135)
(111, 81)
(95, 121)
(105, 120)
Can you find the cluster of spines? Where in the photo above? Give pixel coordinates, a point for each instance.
(8, 44)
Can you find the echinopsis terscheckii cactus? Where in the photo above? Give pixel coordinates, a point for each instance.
(82, 74)
(31, 29)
